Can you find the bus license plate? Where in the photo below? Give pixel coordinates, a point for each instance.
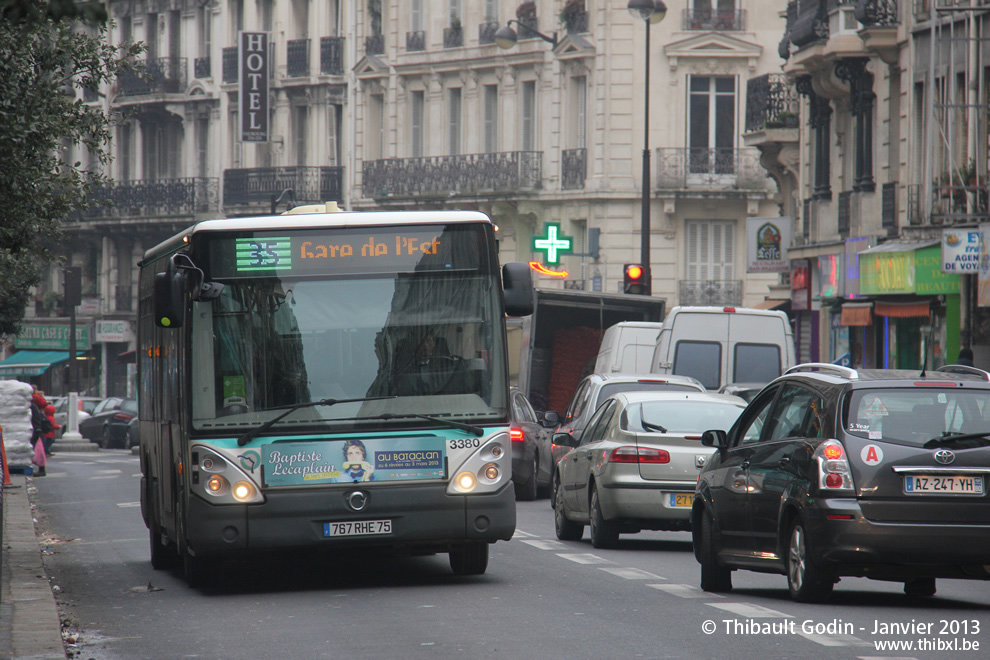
(956, 484)
(680, 500)
(357, 528)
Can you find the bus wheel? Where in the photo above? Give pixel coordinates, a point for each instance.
(469, 559)
(162, 556)
(199, 572)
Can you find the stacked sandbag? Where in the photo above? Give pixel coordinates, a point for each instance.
(15, 418)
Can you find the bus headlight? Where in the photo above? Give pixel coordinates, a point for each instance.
(491, 472)
(216, 485)
(486, 471)
(465, 482)
(243, 491)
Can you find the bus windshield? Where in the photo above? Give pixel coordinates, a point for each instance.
(422, 338)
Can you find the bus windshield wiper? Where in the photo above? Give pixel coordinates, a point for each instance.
(248, 436)
(952, 437)
(470, 428)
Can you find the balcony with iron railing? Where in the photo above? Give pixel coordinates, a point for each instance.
(201, 68)
(415, 40)
(880, 21)
(332, 56)
(153, 198)
(573, 168)
(710, 169)
(163, 75)
(451, 176)
(453, 37)
(709, 292)
(374, 44)
(714, 19)
(576, 22)
(486, 32)
(771, 103)
(260, 185)
(297, 58)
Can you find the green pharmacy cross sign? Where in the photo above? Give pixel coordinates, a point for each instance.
(554, 244)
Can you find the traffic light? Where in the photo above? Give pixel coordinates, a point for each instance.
(634, 279)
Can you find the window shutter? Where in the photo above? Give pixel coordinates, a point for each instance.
(417, 125)
(454, 121)
(416, 15)
(528, 115)
(581, 111)
(491, 119)
(491, 11)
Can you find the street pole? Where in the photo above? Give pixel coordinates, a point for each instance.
(645, 220)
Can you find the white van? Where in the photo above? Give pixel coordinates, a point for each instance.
(722, 345)
(627, 347)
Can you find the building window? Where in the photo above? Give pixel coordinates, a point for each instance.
(267, 10)
(300, 129)
(300, 14)
(711, 124)
(233, 128)
(124, 152)
(416, 124)
(375, 134)
(335, 121)
(126, 30)
(579, 112)
(491, 11)
(416, 15)
(710, 250)
(151, 36)
(454, 121)
(202, 146)
(236, 18)
(205, 31)
(490, 119)
(529, 116)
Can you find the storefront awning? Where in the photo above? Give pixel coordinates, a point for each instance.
(856, 314)
(25, 364)
(902, 310)
(900, 246)
(771, 304)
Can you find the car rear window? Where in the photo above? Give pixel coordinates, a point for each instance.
(916, 415)
(700, 359)
(129, 405)
(615, 388)
(682, 416)
(756, 362)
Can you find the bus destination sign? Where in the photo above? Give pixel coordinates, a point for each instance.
(345, 251)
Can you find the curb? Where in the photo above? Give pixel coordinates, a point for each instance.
(29, 619)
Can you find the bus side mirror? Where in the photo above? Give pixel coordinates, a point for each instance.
(517, 285)
(169, 298)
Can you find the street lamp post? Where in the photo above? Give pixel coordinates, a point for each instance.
(651, 11)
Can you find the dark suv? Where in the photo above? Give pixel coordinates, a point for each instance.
(832, 472)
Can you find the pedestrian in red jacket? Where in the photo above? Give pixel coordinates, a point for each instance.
(49, 437)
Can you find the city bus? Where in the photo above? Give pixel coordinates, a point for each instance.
(327, 380)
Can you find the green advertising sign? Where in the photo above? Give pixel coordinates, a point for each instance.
(929, 278)
(912, 271)
(51, 337)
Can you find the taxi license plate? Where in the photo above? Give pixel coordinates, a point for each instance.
(357, 528)
(680, 500)
(955, 484)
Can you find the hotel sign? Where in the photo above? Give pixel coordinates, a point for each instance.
(254, 72)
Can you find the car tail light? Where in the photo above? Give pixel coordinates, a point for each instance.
(834, 474)
(123, 417)
(638, 455)
(516, 435)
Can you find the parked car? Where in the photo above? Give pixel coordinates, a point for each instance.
(532, 463)
(595, 388)
(86, 405)
(832, 472)
(747, 391)
(637, 464)
(133, 433)
(107, 426)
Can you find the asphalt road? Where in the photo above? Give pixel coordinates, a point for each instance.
(541, 598)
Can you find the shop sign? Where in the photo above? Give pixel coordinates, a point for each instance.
(929, 278)
(983, 291)
(800, 285)
(886, 272)
(853, 247)
(960, 251)
(767, 240)
(51, 337)
(113, 331)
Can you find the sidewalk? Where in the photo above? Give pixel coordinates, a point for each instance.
(29, 621)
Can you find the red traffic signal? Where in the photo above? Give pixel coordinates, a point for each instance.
(634, 279)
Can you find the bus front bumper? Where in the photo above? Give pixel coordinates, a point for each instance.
(422, 519)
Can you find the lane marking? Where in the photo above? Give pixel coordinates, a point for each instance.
(751, 611)
(631, 573)
(683, 591)
(112, 476)
(545, 545)
(128, 505)
(523, 535)
(108, 472)
(834, 640)
(586, 558)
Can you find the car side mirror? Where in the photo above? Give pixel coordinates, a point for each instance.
(564, 440)
(550, 419)
(715, 438)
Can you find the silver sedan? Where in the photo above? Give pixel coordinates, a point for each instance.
(637, 463)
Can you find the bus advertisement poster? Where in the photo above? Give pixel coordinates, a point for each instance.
(353, 461)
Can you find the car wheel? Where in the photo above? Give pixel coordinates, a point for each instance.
(469, 559)
(566, 529)
(807, 581)
(554, 485)
(714, 577)
(604, 534)
(920, 587)
(526, 491)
